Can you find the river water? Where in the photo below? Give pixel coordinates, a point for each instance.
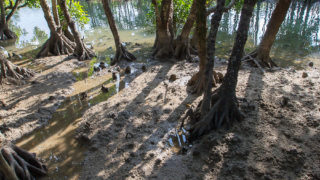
(298, 40)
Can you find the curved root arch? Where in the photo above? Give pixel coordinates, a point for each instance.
(16, 163)
(8, 69)
(122, 54)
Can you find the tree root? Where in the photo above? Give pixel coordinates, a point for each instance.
(163, 52)
(258, 60)
(6, 34)
(182, 49)
(84, 53)
(122, 54)
(224, 111)
(196, 84)
(58, 44)
(16, 163)
(8, 69)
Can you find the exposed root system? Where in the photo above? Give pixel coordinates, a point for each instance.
(196, 84)
(16, 163)
(58, 44)
(224, 111)
(8, 69)
(122, 54)
(258, 60)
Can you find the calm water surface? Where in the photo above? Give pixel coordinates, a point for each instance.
(298, 40)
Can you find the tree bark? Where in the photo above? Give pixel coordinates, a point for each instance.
(224, 102)
(262, 53)
(80, 51)
(55, 13)
(182, 43)
(164, 36)
(5, 32)
(121, 52)
(197, 82)
(58, 43)
(215, 23)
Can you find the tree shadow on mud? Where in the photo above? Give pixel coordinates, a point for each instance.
(128, 146)
(270, 143)
(42, 107)
(267, 144)
(67, 152)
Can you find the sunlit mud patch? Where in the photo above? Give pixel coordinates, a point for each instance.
(178, 141)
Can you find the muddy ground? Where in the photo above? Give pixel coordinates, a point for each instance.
(127, 136)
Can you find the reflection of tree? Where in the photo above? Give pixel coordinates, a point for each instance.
(127, 14)
(298, 35)
(297, 31)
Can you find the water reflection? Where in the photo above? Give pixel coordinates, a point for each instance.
(298, 37)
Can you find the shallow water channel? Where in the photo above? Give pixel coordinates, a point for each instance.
(297, 43)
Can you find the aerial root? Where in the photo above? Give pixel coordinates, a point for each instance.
(224, 111)
(16, 163)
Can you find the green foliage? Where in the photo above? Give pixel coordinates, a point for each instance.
(28, 3)
(181, 12)
(39, 35)
(76, 11)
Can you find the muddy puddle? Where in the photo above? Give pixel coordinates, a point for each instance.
(55, 144)
(178, 141)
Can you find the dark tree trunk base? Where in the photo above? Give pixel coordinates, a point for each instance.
(258, 60)
(6, 34)
(183, 49)
(84, 54)
(122, 54)
(56, 45)
(16, 163)
(196, 85)
(224, 111)
(163, 51)
(8, 69)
